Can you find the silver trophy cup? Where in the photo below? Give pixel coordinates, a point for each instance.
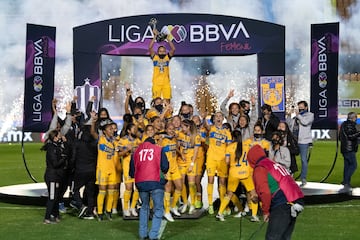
(160, 36)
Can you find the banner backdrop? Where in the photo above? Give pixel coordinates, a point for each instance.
(324, 75)
(39, 77)
(192, 35)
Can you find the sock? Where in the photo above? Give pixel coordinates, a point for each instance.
(127, 196)
(100, 201)
(198, 197)
(210, 193)
(184, 194)
(116, 195)
(254, 208)
(167, 202)
(237, 202)
(176, 197)
(222, 191)
(192, 190)
(109, 199)
(224, 203)
(135, 198)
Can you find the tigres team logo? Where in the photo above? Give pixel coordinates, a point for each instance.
(272, 91)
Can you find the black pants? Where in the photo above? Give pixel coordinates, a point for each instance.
(86, 179)
(281, 223)
(52, 205)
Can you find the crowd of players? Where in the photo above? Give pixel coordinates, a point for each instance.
(89, 150)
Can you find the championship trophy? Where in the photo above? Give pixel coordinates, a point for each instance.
(160, 36)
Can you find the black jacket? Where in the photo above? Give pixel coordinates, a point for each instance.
(55, 162)
(349, 137)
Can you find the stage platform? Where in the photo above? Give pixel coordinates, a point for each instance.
(36, 194)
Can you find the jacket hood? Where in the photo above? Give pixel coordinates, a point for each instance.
(255, 153)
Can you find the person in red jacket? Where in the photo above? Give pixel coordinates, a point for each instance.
(281, 197)
(148, 166)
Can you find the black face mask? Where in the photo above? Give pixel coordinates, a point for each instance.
(133, 135)
(115, 134)
(162, 56)
(159, 107)
(246, 112)
(136, 116)
(186, 115)
(275, 141)
(140, 105)
(258, 135)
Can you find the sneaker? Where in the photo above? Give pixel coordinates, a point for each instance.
(220, 217)
(47, 221)
(303, 182)
(183, 208)
(88, 216)
(114, 211)
(191, 209)
(126, 213)
(74, 205)
(211, 210)
(240, 214)
(246, 209)
(198, 204)
(346, 189)
(168, 217)
(82, 211)
(134, 212)
(108, 216)
(227, 212)
(62, 207)
(254, 219)
(100, 217)
(175, 212)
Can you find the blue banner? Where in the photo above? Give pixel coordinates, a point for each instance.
(39, 77)
(324, 75)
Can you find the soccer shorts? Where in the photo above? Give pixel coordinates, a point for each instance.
(233, 183)
(218, 167)
(105, 178)
(161, 91)
(126, 168)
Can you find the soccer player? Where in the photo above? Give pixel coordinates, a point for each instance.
(219, 137)
(188, 146)
(256, 139)
(161, 74)
(239, 172)
(105, 169)
(168, 143)
(127, 144)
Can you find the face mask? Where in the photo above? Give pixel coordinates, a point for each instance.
(136, 116)
(159, 107)
(186, 115)
(133, 135)
(115, 134)
(162, 56)
(257, 135)
(275, 141)
(246, 112)
(140, 104)
(302, 111)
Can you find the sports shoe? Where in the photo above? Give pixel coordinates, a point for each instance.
(246, 209)
(175, 211)
(220, 217)
(134, 212)
(198, 204)
(254, 219)
(191, 209)
(62, 207)
(126, 213)
(108, 216)
(240, 214)
(100, 217)
(114, 211)
(183, 208)
(211, 209)
(47, 221)
(74, 205)
(303, 182)
(227, 212)
(168, 217)
(82, 211)
(88, 216)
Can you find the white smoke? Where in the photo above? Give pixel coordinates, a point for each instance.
(296, 15)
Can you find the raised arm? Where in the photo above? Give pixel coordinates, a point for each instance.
(172, 48)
